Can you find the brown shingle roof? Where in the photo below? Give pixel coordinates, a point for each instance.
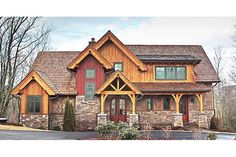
(204, 71)
(52, 65)
(172, 87)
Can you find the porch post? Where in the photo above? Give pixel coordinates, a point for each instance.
(178, 119)
(202, 117)
(132, 98)
(103, 98)
(102, 116)
(199, 96)
(133, 117)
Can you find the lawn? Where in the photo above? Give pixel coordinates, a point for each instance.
(12, 127)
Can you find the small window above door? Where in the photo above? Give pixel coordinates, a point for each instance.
(118, 66)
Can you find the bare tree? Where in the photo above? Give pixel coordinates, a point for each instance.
(20, 39)
(218, 65)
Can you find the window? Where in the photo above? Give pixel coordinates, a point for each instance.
(118, 66)
(166, 103)
(90, 73)
(181, 73)
(160, 72)
(149, 104)
(89, 90)
(34, 103)
(170, 73)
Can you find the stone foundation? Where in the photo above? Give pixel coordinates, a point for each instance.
(178, 120)
(56, 121)
(202, 120)
(34, 120)
(156, 118)
(86, 113)
(133, 120)
(101, 118)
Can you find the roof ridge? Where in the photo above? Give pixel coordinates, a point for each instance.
(163, 45)
(59, 51)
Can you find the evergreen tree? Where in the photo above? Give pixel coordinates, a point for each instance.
(69, 117)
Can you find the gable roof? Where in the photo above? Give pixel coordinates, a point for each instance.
(110, 36)
(40, 79)
(53, 64)
(204, 71)
(89, 50)
(123, 78)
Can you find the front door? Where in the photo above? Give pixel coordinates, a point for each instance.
(184, 108)
(118, 110)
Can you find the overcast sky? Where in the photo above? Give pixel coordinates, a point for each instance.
(75, 32)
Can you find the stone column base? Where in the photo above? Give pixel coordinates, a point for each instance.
(178, 120)
(202, 120)
(133, 120)
(101, 118)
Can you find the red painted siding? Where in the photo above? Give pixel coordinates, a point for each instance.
(89, 63)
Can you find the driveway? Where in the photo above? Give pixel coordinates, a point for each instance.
(61, 135)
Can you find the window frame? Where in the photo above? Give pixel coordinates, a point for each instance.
(34, 106)
(85, 95)
(90, 77)
(164, 109)
(121, 65)
(165, 73)
(151, 104)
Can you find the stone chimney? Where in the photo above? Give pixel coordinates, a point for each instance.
(92, 41)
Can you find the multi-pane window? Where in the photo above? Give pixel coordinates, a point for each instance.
(149, 104)
(89, 90)
(181, 73)
(171, 73)
(160, 72)
(118, 66)
(34, 103)
(90, 73)
(166, 103)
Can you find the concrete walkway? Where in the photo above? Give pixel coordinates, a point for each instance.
(61, 135)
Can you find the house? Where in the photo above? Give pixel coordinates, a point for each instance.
(108, 80)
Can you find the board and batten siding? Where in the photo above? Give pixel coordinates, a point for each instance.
(33, 88)
(113, 54)
(89, 63)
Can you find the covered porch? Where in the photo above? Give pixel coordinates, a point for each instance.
(118, 100)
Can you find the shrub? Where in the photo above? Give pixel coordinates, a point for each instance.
(56, 128)
(211, 136)
(106, 129)
(214, 125)
(122, 125)
(69, 117)
(129, 133)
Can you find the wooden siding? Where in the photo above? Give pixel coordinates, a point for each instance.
(33, 88)
(113, 54)
(89, 63)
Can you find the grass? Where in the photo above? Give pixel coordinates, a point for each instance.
(12, 127)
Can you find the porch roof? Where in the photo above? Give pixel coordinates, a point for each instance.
(172, 87)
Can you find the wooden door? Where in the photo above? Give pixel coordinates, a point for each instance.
(118, 110)
(184, 108)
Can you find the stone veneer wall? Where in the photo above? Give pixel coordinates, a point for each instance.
(57, 110)
(156, 118)
(86, 113)
(34, 120)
